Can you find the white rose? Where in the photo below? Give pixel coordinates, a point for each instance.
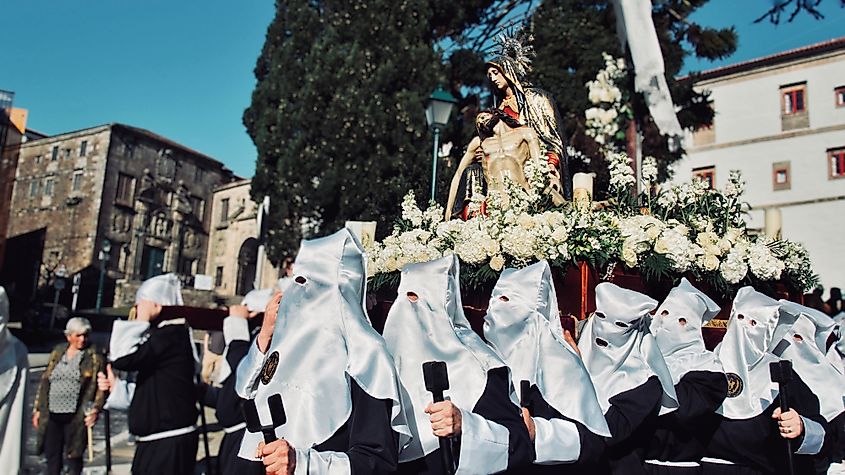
(497, 262)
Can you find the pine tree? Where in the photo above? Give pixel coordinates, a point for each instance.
(570, 36)
(337, 114)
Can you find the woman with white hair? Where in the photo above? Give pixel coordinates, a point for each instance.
(14, 369)
(68, 400)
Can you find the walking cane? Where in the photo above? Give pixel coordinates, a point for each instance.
(107, 423)
(204, 430)
(436, 381)
(781, 372)
(253, 422)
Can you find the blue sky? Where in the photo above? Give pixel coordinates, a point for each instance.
(183, 68)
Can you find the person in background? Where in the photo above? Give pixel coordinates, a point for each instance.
(212, 355)
(68, 401)
(14, 370)
(835, 303)
(163, 411)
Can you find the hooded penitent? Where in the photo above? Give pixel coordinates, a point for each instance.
(427, 323)
(677, 328)
(800, 345)
(836, 352)
(617, 349)
(165, 290)
(523, 325)
(744, 354)
(321, 339)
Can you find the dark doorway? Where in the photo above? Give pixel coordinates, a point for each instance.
(152, 262)
(247, 259)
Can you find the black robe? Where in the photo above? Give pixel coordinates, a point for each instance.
(631, 419)
(494, 405)
(228, 410)
(366, 437)
(592, 445)
(681, 435)
(755, 446)
(165, 399)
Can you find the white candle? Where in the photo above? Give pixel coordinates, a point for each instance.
(583, 181)
(773, 223)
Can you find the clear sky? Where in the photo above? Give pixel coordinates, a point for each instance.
(183, 68)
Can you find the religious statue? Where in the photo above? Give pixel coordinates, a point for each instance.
(529, 105)
(502, 147)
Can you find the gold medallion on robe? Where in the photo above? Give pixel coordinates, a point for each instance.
(734, 384)
(269, 368)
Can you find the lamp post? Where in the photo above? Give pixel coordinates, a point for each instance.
(104, 258)
(58, 286)
(438, 108)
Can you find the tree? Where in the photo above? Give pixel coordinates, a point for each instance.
(570, 36)
(780, 7)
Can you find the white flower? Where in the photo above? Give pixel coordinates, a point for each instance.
(497, 262)
(649, 170)
(763, 263)
(734, 268)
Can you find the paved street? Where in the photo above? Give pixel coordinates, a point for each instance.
(122, 448)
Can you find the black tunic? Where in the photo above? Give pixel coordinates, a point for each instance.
(755, 445)
(494, 405)
(165, 399)
(682, 435)
(367, 437)
(592, 445)
(228, 410)
(631, 419)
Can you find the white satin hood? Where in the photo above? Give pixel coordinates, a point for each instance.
(322, 338)
(800, 346)
(165, 290)
(523, 325)
(256, 300)
(434, 328)
(630, 355)
(677, 328)
(744, 354)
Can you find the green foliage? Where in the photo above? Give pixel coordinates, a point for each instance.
(570, 36)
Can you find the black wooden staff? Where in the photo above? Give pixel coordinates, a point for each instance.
(781, 372)
(437, 381)
(204, 423)
(277, 413)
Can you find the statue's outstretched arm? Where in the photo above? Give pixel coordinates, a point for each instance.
(466, 161)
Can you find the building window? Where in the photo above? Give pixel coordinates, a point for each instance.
(198, 175)
(198, 207)
(34, 186)
(839, 92)
(83, 148)
(76, 184)
(48, 186)
(224, 211)
(125, 189)
(37, 159)
(186, 266)
(55, 153)
(794, 99)
(68, 152)
(706, 174)
(218, 276)
(781, 176)
(836, 159)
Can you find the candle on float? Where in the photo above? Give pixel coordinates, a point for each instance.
(773, 223)
(582, 189)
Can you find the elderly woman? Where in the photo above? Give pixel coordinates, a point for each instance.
(68, 400)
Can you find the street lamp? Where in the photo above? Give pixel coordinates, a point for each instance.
(104, 258)
(438, 108)
(58, 286)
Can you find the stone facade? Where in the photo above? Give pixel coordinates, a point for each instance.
(145, 194)
(233, 250)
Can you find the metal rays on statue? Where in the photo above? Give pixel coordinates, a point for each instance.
(269, 368)
(516, 46)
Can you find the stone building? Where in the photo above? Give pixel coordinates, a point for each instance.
(144, 194)
(233, 252)
(12, 135)
(780, 120)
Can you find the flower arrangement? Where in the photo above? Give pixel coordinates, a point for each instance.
(684, 229)
(610, 104)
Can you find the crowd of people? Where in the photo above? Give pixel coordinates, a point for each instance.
(635, 392)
